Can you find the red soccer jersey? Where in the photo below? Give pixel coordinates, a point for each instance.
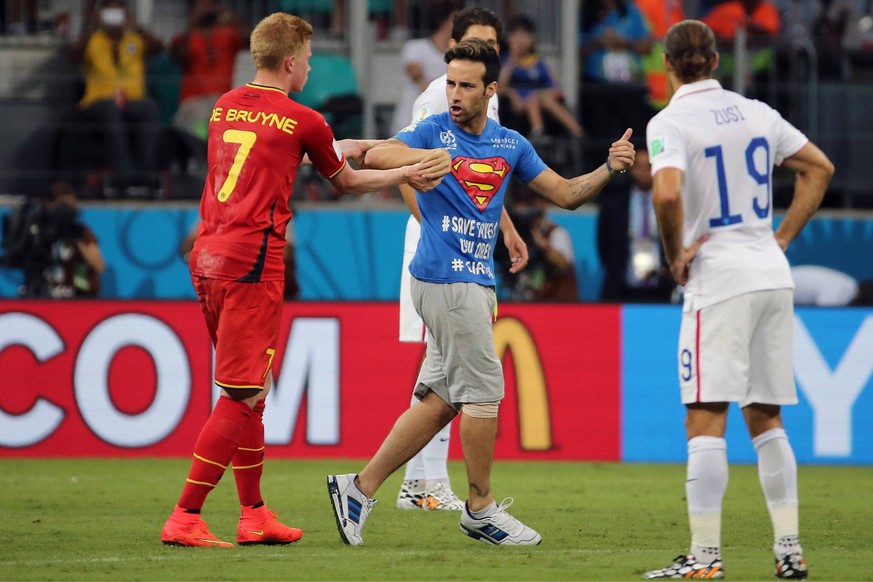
(257, 138)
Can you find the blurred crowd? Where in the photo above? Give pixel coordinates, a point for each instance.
(138, 126)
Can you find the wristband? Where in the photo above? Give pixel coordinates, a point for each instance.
(611, 171)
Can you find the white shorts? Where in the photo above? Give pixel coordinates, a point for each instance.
(739, 350)
(411, 327)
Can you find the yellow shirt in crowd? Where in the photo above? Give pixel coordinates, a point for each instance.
(104, 75)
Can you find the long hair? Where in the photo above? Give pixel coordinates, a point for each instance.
(690, 49)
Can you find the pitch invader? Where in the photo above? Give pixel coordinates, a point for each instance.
(426, 484)
(461, 374)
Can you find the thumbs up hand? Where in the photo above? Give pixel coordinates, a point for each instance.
(621, 154)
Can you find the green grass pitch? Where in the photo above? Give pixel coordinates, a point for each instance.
(101, 520)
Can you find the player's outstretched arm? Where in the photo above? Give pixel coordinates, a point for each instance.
(393, 153)
(352, 149)
(814, 171)
(391, 163)
(352, 181)
(356, 149)
(575, 192)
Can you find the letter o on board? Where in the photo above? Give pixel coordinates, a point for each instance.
(173, 379)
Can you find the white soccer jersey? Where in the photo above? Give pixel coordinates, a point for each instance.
(726, 146)
(432, 100)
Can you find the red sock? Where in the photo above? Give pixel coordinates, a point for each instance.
(213, 450)
(248, 462)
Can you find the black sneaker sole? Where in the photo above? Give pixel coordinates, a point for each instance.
(337, 506)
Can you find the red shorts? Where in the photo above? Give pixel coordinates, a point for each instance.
(243, 321)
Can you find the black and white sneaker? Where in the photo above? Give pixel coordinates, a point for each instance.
(442, 498)
(688, 567)
(791, 567)
(499, 528)
(409, 499)
(350, 507)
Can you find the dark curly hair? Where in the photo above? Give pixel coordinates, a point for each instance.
(478, 51)
(472, 16)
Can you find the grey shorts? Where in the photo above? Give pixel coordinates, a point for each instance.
(460, 365)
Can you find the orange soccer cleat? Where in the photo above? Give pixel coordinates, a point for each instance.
(187, 529)
(260, 526)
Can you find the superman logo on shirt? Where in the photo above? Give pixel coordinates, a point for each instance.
(480, 178)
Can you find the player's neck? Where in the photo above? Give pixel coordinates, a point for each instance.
(476, 125)
(272, 79)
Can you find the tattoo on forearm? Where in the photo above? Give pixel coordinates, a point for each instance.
(580, 187)
(480, 492)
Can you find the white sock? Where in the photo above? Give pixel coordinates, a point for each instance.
(482, 513)
(777, 471)
(787, 545)
(415, 468)
(415, 485)
(436, 455)
(705, 555)
(431, 483)
(705, 485)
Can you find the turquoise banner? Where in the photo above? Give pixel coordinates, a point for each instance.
(354, 254)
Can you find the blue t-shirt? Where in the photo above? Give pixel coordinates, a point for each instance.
(460, 218)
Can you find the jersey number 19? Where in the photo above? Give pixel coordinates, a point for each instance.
(761, 178)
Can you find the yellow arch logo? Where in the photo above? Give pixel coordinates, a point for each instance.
(535, 423)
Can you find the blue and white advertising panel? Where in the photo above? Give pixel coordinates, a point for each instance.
(833, 352)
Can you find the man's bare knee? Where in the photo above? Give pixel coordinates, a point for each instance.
(441, 408)
(706, 419)
(762, 417)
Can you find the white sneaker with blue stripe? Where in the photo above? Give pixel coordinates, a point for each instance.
(350, 507)
(499, 528)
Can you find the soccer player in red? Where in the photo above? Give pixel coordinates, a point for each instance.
(257, 139)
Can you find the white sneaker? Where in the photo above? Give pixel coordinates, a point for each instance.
(350, 507)
(407, 499)
(688, 567)
(442, 498)
(499, 528)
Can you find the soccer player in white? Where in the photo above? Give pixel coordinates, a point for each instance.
(712, 153)
(426, 483)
